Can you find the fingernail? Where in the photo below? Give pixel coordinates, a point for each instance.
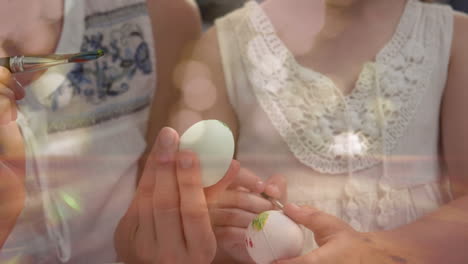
(260, 186)
(166, 138)
(273, 190)
(164, 157)
(185, 162)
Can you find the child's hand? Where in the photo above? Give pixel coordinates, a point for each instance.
(169, 220)
(233, 210)
(9, 93)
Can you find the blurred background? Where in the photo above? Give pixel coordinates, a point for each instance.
(460, 5)
(212, 9)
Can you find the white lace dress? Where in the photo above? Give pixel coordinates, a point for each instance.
(370, 157)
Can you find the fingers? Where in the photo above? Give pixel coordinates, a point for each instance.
(194, 209)
(161, 166)
(135, 236)
(231, 217)
(144, 198)
(125, 232)
(146, 188)
(249, 180)
(276, 187)
(138, 221)
(145, 236)
(214, 191)
(6, 91)
(8, 97)
(6, 78)
(322, 224)
(7, 105)
(244, 200)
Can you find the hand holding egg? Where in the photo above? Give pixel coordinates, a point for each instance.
(273, 236)
(170, 179)
(339, 243)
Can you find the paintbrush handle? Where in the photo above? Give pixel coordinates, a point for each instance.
(274, 201)
(28, 64)
(18, 64)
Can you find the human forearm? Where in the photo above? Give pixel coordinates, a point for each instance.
(440, 237)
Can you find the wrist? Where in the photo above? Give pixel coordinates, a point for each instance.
(398, 246)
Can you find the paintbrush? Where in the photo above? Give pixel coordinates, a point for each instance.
(18, 64)
(274, 201)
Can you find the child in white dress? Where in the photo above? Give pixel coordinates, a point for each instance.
(359, 113)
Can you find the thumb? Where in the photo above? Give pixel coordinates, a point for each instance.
(214, 191)
(7, 97)
(323, 225)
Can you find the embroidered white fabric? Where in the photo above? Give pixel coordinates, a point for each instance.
(312, 115)
(78, 181)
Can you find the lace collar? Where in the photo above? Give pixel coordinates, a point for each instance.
(326, 130)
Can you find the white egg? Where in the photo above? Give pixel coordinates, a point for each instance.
(213, 143)
(273, 236)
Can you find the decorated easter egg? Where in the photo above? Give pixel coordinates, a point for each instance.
(273, 236)
(213, 143)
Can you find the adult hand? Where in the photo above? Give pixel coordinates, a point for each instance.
(340, 243)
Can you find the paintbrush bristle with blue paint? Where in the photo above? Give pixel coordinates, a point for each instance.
(18, 64)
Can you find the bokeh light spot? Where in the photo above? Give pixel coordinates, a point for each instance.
(348, 144)
(199, 94)
(190, 70)
(70, 201)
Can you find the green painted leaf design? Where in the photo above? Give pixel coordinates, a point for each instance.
(259, 222)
